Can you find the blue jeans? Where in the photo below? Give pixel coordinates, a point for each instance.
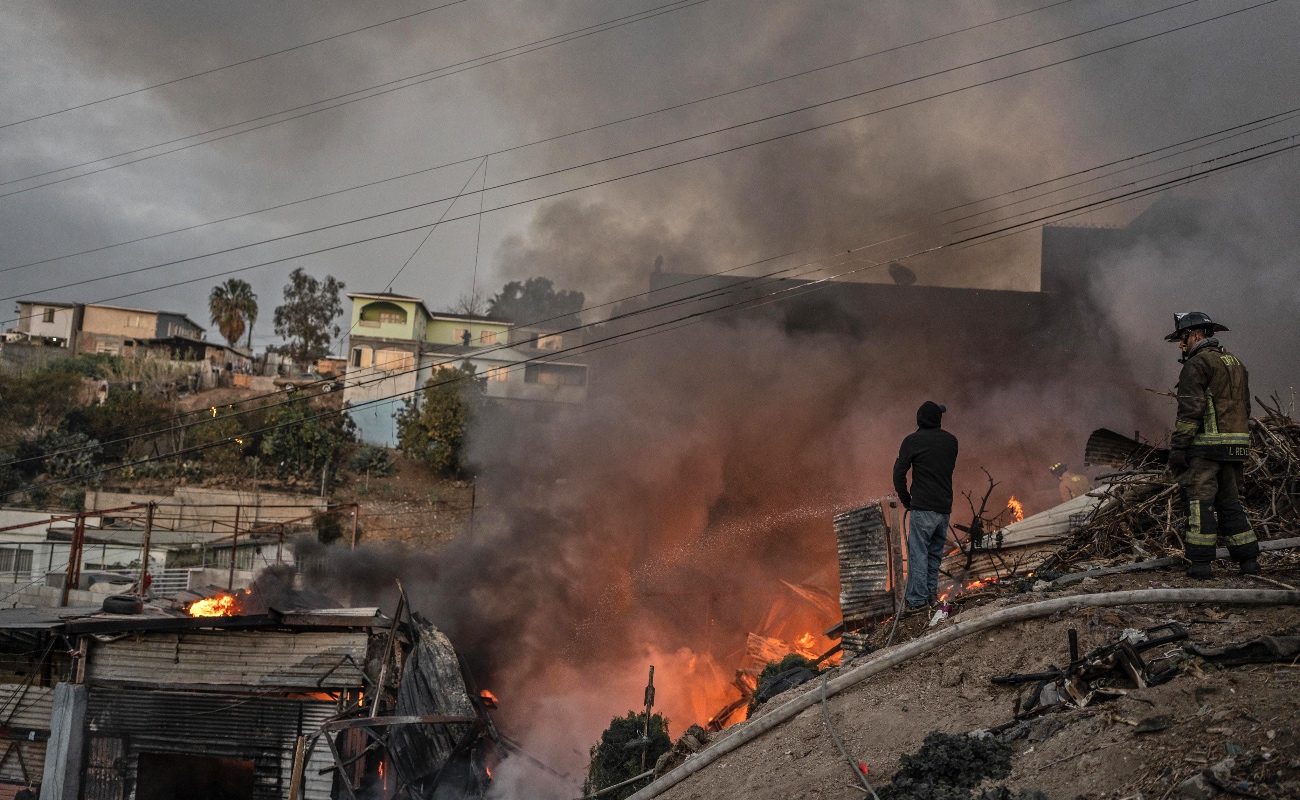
(927, 533)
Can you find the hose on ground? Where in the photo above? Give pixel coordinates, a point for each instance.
(752, 729)
(853, 765)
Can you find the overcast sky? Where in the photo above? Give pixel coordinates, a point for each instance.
(834, 188)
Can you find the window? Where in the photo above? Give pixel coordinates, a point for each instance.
(556, 375)
(549, 343)
(488, 337)
(391, 316)
(463, 336)
(375, 314)
(394, 360)
(362, 357)
(107, 347)
(134, 321)
(15, 560)
(497, 374)
(47, 315)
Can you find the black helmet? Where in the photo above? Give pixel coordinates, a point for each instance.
(1191, 321)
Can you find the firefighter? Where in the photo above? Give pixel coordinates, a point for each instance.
(1071, 484)
(1211, 440)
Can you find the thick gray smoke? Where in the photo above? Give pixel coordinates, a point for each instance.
(653, 524)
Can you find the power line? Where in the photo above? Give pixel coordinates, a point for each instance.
(799, 288)
(120, 95)
(546, 140)
(445, 71)
(735, 148)
(1235, 128)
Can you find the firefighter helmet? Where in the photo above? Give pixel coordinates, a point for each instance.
(1193, 321)
(1058, 469)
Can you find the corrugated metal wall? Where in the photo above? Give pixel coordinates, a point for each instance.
(24, 707)
(122, 723)
(232, 658)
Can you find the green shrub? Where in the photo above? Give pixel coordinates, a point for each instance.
(432, 426)
(617, 757)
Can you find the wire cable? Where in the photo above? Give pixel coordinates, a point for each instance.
(652, 329)
(642, 150)
(546, 140)
(669, 304)
(830, 728)
(444, 71)
(171, 81)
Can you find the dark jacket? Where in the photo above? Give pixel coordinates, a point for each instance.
(931, 454)
(1213, 405)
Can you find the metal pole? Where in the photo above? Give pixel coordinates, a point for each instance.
(234, 545)
(74, 559)
(649, 706)
(356, 512)
(279, 547)
(144, 549)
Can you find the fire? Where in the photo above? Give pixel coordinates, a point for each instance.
(222, 605)
(1016, 508)
(806, 646)
(489, 699)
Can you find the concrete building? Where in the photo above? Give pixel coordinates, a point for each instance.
(396, 344)
(98, 328)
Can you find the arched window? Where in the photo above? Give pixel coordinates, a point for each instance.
(380, 312)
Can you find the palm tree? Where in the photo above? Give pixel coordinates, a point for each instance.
(234, 309)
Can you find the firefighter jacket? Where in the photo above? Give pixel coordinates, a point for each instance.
(1213, 405)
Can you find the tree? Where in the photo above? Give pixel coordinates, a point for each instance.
(617, 757)
(470, 305)
(307, 317)
(233, 307)
(533, 301)
(433, 427)
(303, 441)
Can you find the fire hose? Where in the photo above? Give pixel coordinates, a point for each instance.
(960, 629)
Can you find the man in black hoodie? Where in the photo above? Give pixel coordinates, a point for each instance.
(931, 454)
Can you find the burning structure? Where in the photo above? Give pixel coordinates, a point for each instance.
(248, 696)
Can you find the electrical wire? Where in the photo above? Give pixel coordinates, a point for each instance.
(444, 71)
(545, 140)
(171, 81)
(640, 172)
(653, 329)
(669, 304)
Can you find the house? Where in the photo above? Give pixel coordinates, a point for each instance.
(396, 343)
(98, 328)
(278, 696)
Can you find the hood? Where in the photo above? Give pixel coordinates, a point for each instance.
(930, 415)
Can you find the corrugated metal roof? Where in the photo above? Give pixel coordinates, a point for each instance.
(25, 707)
(232, 658)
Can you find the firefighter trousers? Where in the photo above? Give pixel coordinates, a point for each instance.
(1212, 494)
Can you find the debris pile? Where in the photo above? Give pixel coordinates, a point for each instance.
(1143, 515)
(950, 766)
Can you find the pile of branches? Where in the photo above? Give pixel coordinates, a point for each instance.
(1143, 516)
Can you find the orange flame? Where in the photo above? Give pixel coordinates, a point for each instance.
(222, 605)
(1017, 509)
(806, 646)
(489, 699)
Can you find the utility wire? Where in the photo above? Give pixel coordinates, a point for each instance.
(130, 92)
(678, 301)
(672, 324)
(542, 141)
(654, 147)
(443, 72)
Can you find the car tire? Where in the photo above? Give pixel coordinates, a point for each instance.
(123, 604)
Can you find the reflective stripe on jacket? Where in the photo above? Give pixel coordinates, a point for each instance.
(1213, 405)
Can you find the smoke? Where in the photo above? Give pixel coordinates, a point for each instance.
(654, 523)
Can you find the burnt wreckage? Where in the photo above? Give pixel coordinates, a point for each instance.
(300, 701)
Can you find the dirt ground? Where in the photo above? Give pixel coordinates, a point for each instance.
(1090, 753)
(414, 507)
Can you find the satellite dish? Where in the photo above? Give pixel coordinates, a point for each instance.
(901, 274)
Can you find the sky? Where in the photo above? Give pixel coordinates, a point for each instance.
(837, 187)
(722, 449)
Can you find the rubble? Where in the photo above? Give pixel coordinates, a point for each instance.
(1144, 517)
(951, 766)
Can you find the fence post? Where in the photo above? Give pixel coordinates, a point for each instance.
(142, 585)
(234, 545)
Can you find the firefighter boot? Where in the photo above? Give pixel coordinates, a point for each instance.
(1250, 567)
(1200, 571)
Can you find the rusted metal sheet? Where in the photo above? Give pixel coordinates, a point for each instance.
(262, 730)
(232, 658)
(862, 540)
(24, 709)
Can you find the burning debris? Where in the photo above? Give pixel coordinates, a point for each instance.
(220, 605)
(1142, 516)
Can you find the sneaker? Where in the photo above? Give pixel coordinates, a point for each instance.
(1200, 571)
(1250, 567)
